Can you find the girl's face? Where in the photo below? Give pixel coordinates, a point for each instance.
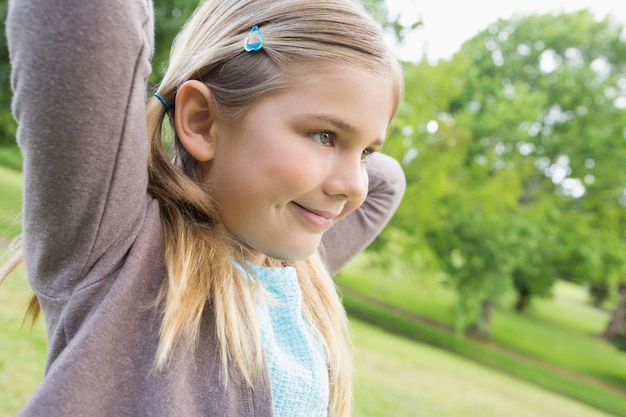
(295, 165)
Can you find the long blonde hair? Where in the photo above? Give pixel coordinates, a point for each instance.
(199, 251)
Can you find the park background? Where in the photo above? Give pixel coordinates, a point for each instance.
(499, 287)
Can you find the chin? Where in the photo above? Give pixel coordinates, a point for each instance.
(292, 254)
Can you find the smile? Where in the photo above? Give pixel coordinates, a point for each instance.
(319, 219)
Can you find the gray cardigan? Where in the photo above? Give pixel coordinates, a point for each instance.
(93, 235)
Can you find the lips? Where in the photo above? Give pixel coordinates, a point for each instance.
(320, 219)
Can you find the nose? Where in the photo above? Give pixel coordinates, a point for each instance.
(347, 178)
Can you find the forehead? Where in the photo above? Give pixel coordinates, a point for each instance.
(317, 71)
(355, 94)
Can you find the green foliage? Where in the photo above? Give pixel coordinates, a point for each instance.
(10, 157)
(10, 202)
(513, 151)
(619, 341)
(170, 16)
(7, 123)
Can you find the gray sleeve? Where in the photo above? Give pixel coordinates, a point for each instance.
(78, 73)
(353, 233)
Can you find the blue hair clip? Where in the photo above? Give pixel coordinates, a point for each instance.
(254, 40)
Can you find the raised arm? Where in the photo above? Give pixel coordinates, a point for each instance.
(352, 234)
(79, 70)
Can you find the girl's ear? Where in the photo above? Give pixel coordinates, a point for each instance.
(194, 119)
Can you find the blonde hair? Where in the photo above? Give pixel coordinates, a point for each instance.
(199, 251)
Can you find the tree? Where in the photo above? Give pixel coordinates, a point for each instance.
(520, 133)
(7, 123)
(616, 329)
(170, 16)
(571, 70)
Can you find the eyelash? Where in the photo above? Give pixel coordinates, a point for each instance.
(329, 136)
(326, 138)
(367, 153)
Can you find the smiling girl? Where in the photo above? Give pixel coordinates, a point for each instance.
(200, 286)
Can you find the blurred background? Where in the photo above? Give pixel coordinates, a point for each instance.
(499, 287)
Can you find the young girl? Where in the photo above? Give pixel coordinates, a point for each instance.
(195, 288)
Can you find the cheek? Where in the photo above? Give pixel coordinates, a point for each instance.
(297, 168)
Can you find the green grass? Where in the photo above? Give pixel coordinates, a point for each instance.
(566, 324)
(553, 345)
(399, 378)
(562, 346)
(10, 157)
(22, 351)
(490, 356)
(418, 293)
(570, 308)
(10, 201)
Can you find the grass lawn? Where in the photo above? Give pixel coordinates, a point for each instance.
(566, 325)
(10, 201)
(553, 345)
(400, 378)
(22, 350)
(11, 157)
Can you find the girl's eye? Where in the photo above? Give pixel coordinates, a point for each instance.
(323, 138)
(367, 152)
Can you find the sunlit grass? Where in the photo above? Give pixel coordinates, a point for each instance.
(553, 344)
(566, 325)
(10, 157)
(398, 378)
(10, 201)
(22, 350)
(570, 308)
(405, 288)
(561, 345)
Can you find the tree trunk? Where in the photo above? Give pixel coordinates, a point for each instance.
(599, 292)
(617, 324)
(482, 329)
(523, 298)
(487, 313)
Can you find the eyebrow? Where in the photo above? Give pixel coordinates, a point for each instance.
(341, 125)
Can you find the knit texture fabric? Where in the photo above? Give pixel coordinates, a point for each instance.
(294, 354)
